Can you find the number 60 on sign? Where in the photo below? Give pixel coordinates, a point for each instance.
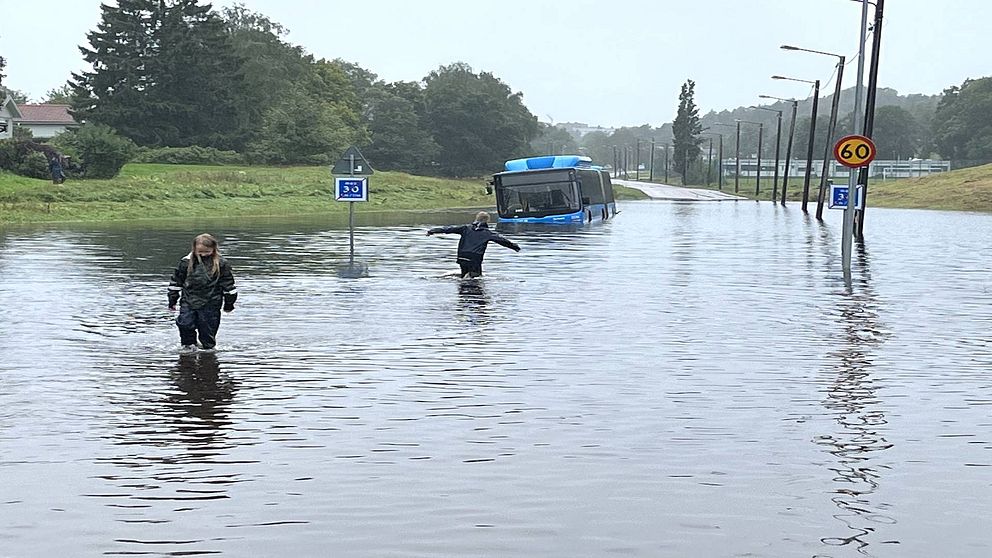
(854, 151)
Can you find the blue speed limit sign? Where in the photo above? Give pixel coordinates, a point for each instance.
(351, 189)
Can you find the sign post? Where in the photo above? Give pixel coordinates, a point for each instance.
(350, 188)
(854, 152)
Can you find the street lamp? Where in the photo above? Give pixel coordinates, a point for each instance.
(778, 143)
(821, 194)
(788, 148)
(757, 179)
(737, 154)
(812, 134)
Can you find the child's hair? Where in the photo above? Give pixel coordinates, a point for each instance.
(210, 242)
(482, 217)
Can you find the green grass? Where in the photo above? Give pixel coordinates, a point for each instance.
(155, 191)
(961, 190)
(149, 191)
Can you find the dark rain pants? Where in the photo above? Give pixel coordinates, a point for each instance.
(470, 263)
(204, 321)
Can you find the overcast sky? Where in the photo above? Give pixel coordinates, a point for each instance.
(603, 62)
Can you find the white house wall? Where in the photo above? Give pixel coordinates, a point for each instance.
(44, 130)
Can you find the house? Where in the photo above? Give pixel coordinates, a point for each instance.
(8, 113)
(45, 120)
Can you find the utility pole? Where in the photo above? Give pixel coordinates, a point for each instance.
(876, 45)
(788, 150)
(666, 163)
(637, 160)
(737, 160)
(709, 163)
(809, 149)
(778, 144)
(852, 183)
(651, 164)
(821, 195)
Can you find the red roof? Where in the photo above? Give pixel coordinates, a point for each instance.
(48, 113)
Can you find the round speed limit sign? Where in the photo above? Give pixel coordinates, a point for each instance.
(854, 151)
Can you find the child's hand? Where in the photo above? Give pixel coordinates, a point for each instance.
(172, 309)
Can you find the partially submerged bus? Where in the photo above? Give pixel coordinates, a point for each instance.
(553, 189)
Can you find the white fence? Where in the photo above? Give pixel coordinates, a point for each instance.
(878, 169)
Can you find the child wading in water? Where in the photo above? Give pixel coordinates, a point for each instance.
(472, 246)
(205, 281)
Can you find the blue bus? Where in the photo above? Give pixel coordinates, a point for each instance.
(553, 189)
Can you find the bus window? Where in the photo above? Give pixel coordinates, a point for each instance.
(589, 184)
(607, 186)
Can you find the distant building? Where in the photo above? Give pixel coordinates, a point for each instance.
(580, 129)
(45, 120)
(8, 113)
(906, 168)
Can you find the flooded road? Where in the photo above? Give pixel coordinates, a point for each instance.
(686, 380)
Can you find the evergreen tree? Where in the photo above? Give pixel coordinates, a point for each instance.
(195, 76)
(163, 73)
(685, 130)
(115, 92)
(3, 64)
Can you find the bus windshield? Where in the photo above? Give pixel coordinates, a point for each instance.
(538, 200)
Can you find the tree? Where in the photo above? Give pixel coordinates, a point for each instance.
(897, 135)
(269, 66)
(476, 119)
(3, 64)
(299, 129)
(164, 73)
(554, 140)
(60, 95)
(19, 97)
(685, 130)
(962, 125)
(399, 139)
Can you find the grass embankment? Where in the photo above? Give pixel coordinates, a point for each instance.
(960, 190)
(150, 191)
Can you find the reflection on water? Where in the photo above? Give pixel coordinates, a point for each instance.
(852, 398)
(648, 386)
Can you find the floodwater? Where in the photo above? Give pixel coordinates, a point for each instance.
(686, 380)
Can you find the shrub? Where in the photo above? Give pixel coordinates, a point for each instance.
(15, 155)
(101, 150)
(193, 155)
(33, 165)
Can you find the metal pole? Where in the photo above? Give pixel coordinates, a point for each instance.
(812, 140)
(637, 161)
(351, 214)
(847, 232)
(651, 172)
(709, 163)
(821, 195)
(666, 163)
(616, 163)
(737, 160)
(719, 179)
(876, 44)
(778, 145)
(788, 150)
(757, 179)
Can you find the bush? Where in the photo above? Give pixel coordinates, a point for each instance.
(193, 155)
(21, 156)
(33, 165)
(100, 149)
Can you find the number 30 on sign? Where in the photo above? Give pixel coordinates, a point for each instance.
(854, 151)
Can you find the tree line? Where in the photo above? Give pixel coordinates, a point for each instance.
(177, 73)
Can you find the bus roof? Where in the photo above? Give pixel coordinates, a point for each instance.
(548, 162)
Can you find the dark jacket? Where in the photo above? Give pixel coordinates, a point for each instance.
(200, 288)
(475, 237)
